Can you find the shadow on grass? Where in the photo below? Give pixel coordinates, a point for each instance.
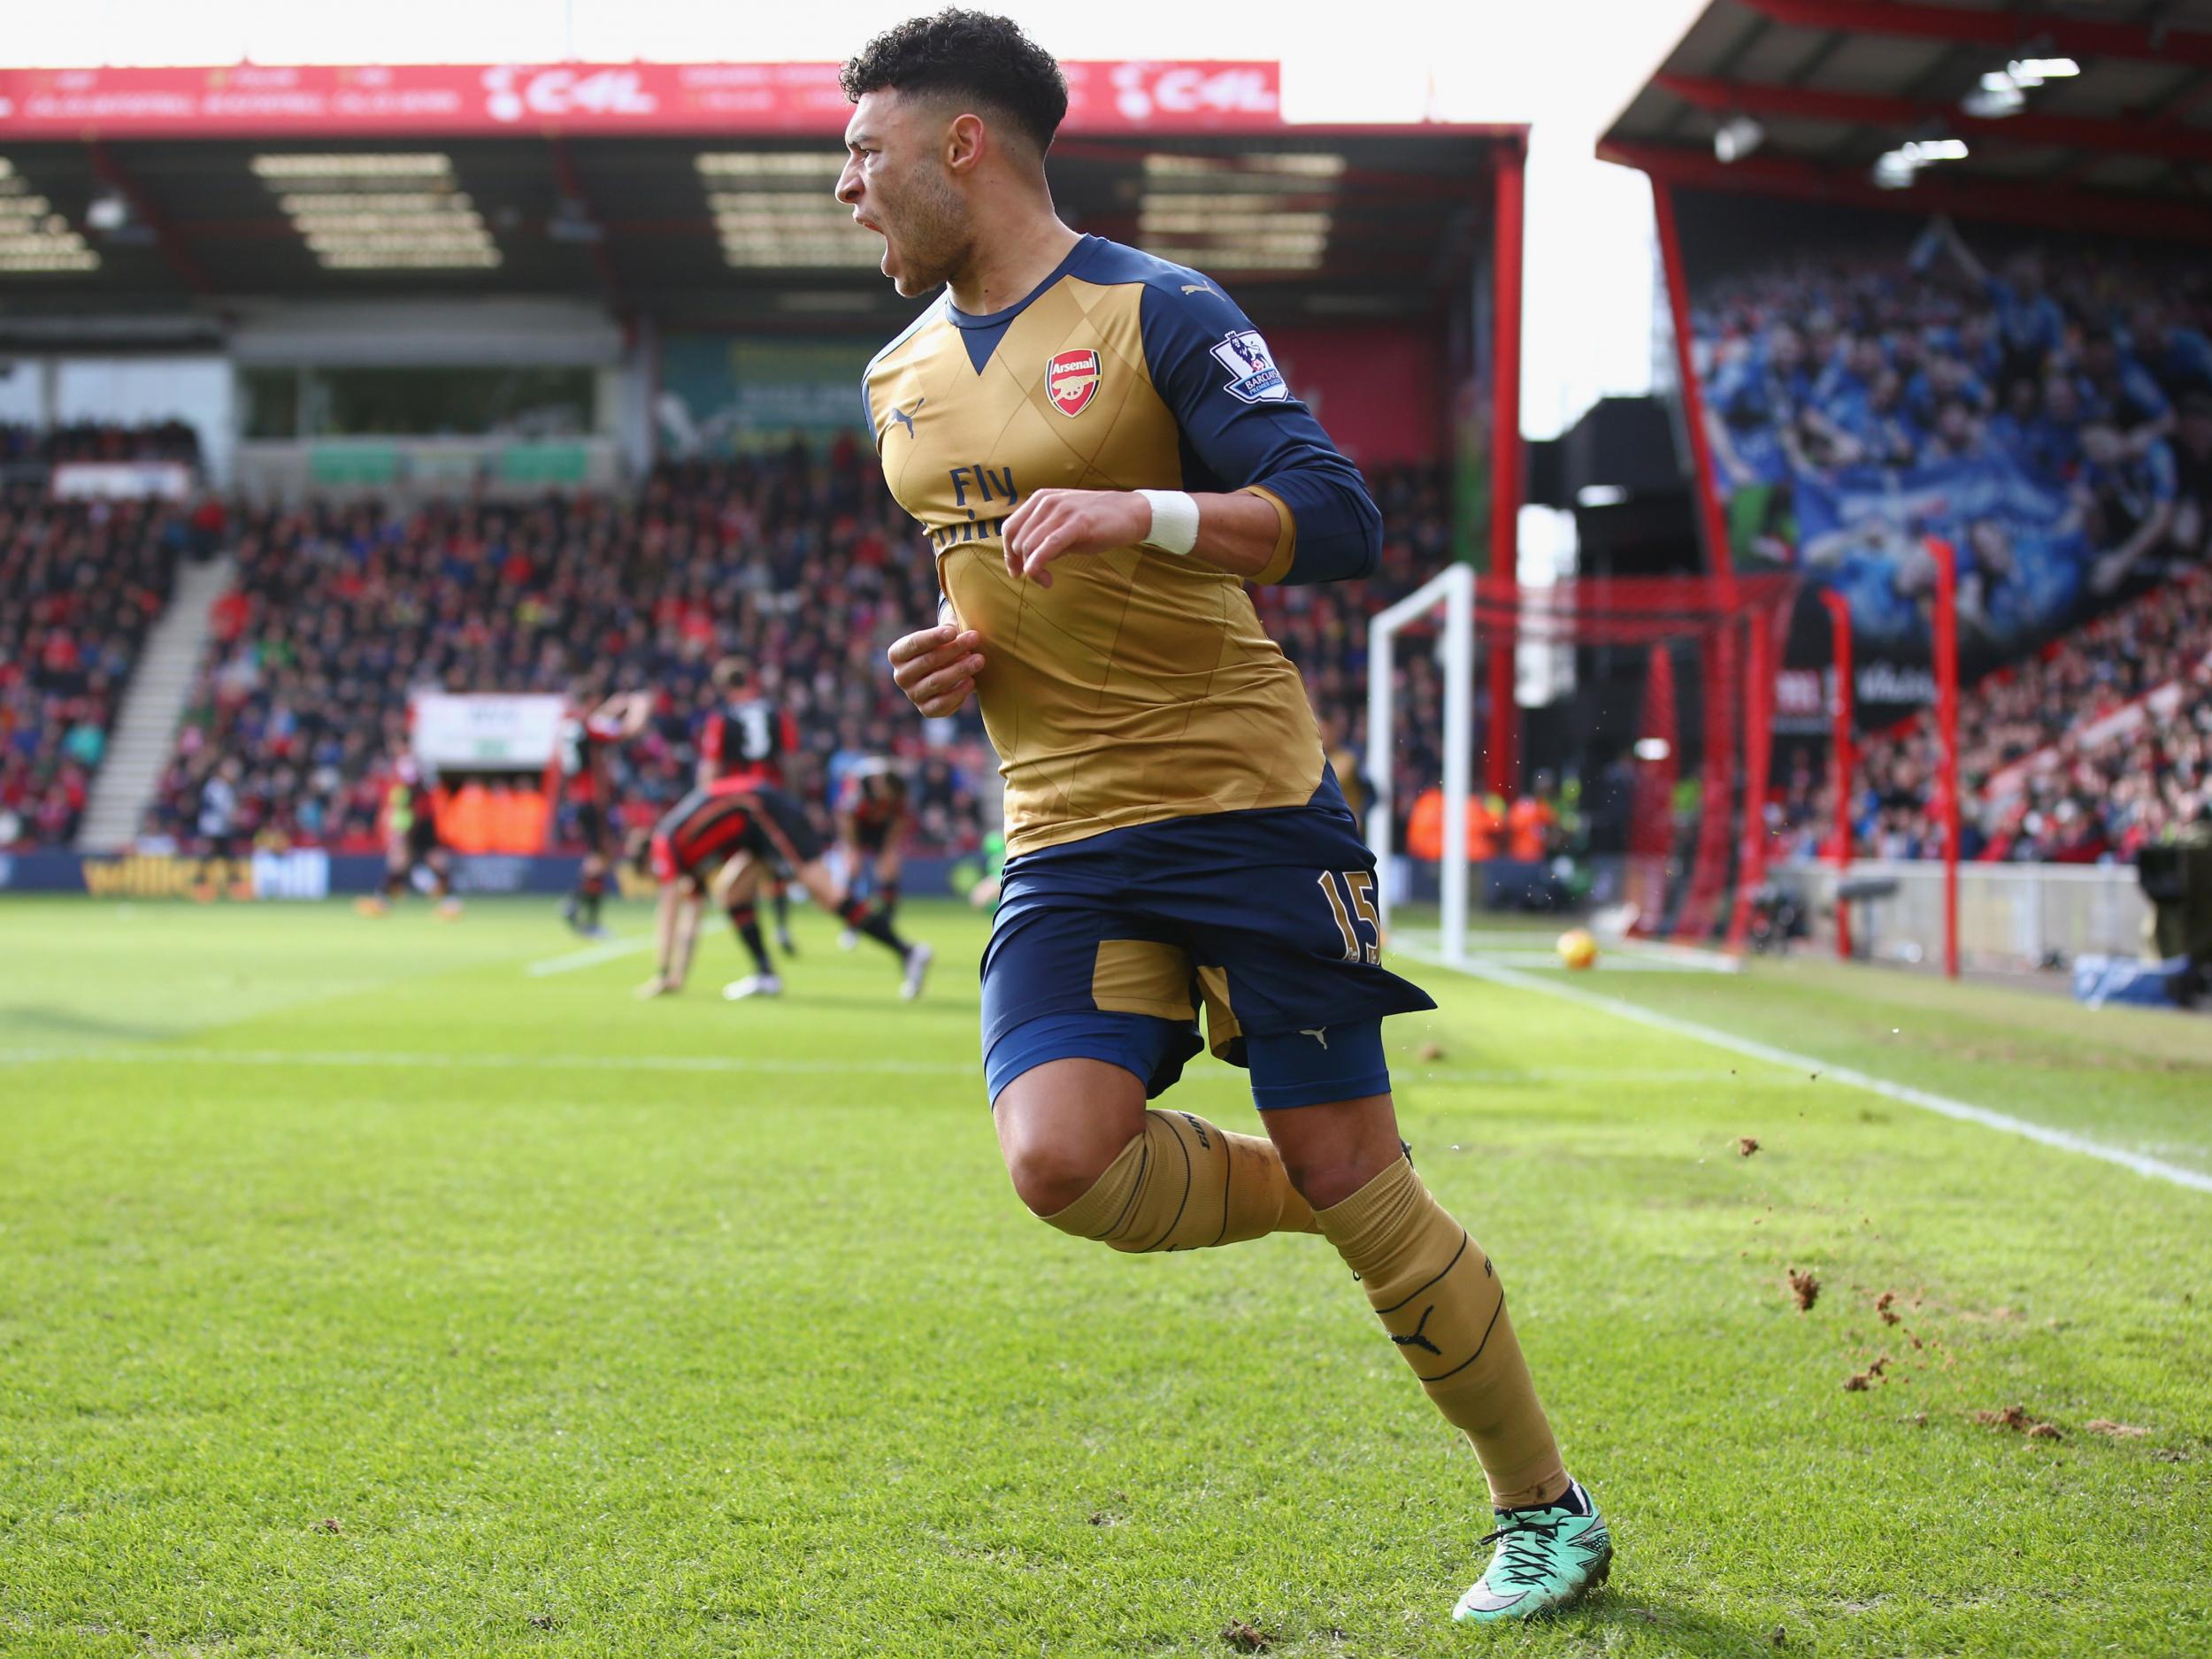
(33, 1022)
(1670, 1626)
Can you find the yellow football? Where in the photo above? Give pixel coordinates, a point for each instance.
(1577, 949)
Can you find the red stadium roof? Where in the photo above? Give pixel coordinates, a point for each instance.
(2103, 124)
(698, 192)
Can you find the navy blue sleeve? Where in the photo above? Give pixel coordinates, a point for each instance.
(1241, 429)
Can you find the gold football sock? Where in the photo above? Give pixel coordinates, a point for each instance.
(1441, 1303)
(1183, 1184)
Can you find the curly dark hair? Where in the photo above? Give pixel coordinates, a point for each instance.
(969, 55)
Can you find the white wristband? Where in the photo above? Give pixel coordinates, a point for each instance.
(1174, 522)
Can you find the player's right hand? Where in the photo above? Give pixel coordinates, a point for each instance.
(936, 668)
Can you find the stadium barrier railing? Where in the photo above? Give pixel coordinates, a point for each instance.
(2011, 916)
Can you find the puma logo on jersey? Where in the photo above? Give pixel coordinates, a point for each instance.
(1320, 1035)
(1196, 288)
(903, 418)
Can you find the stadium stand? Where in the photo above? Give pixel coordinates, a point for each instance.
(21, 443)
(2054, 416)
(80, 583)
(799, 561)
(2091, 749)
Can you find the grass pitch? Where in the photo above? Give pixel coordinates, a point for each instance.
(363, 1293)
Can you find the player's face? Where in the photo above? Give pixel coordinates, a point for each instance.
(896, 184)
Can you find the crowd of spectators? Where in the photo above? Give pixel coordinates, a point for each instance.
(80, 584)
(799, 562)
(98, 441)
(2063, 757)
(2051, 418)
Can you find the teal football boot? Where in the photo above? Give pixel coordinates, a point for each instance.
(1547, 1559)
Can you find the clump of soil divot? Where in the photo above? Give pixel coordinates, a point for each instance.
(2016, 1418)
(1430, 1051)
(2113, 1430)
(1245, 1638)
(1805, 1287)
(1883, 1307)
(1746, 1145)
(1859, 1382)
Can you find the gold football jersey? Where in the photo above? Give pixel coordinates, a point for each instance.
(1139, 686)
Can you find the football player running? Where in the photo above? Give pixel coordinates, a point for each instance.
(1101, 454)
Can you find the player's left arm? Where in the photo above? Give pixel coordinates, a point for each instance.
(624, 714)
(1276, 501)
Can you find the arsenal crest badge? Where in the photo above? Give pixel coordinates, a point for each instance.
(1071, 380)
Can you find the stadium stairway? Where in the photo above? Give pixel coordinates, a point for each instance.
(153, 707)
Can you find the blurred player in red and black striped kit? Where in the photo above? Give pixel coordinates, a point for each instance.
(724, 839)
(873, 817)
(751, 736)
(587, 735)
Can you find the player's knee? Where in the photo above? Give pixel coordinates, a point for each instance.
(1328, 1178)
(1049, 1177)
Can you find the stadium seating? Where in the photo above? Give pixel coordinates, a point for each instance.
(799, 560)
(2091, 749)
(2052, 418)
(22, 444)
(80, 583)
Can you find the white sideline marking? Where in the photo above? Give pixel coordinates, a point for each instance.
(1942, 1105)
(590, 956)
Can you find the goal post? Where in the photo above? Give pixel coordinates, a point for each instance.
(1453, 591)
(1694, 848)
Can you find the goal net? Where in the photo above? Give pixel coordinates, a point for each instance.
(1659, 732)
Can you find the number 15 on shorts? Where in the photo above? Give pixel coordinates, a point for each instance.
(1351, 902)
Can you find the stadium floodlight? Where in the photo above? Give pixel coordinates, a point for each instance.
(815, 253)
(344, 224)
(1736, 137)
(1293, 164)
(1600, 496)
(1268, 176)
(33, 237)
(1227, 257)
(410, 259)
(356, 164)
(1893, 171)
(2033, 71)
(1992, 102)
(1246, 241)
(1231, 216)
(49, 257)
(373, 201)
(773, 163)
(352, 219)
(1653, 749)
(1896, 169)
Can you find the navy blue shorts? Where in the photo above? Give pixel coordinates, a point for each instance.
(1263, 921)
